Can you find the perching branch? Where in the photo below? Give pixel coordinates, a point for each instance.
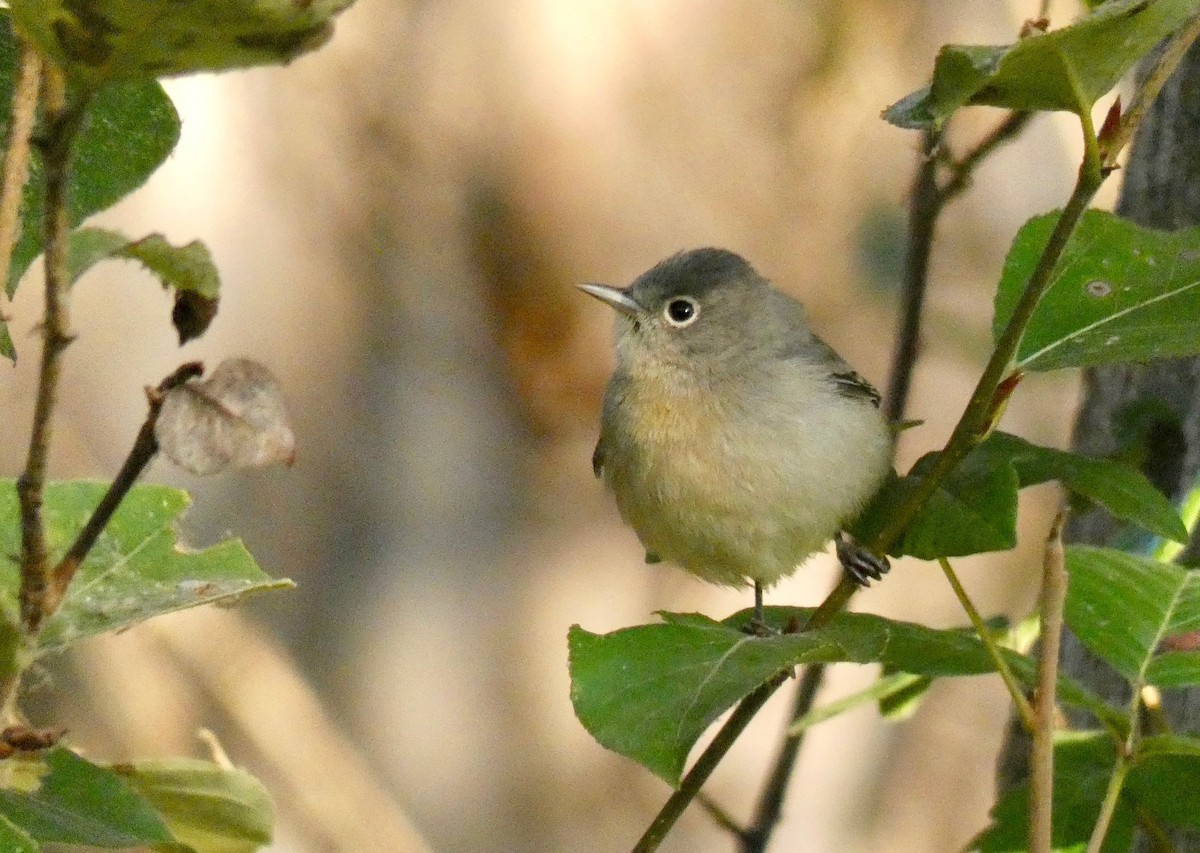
(145, 446)
(705, 765)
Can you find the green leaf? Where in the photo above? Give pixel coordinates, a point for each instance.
(1124, 607)
(77, 802)
(1067, 69)
(972, 511)
(1083, 763)
(975, 508)
(136, 569)
(106, 40)
(1168, 744)
(129, 133)
(1119, 488)
(1120, 293)
(898, 694)
(131, 130)
(13, 839)
(210, 808)
(1163, 781)
(650, 691)
(189, 267)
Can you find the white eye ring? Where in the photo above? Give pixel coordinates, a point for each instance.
(681, 311)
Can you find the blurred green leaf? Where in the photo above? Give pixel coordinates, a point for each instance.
(129, 133)
(13, 839)
(136, 569)
(1120, 293)
(77, 802)
(1163, 781)
(1067, 69)
(975, 508)
(102, 41)
(188, 269)
(210, 808)
(1124, 607)
(649, 692)
(1083, 763)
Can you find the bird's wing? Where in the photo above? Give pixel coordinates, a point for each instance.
(845, 379)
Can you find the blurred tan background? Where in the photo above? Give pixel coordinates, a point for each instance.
(400, 220)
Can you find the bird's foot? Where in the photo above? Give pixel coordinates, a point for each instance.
(756, 627)
(859, 563)
(757, 624)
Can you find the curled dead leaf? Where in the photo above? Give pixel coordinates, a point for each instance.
(233, 419)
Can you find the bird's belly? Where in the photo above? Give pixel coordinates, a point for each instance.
(733, 499)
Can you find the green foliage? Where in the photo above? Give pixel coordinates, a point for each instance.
(187, 267)
(1083, 763)
(975, 509)
(130, 131)
(1160, 786)
(649, 692)
(1120, 293)
(77, 802)
(136, 569)
(1124, 608)
(102, 41)
(209, 808)
(1067, 69)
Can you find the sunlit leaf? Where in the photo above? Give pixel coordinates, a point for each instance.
(110, 40)
(1120, 293)
(1065, 69)
(210, 808)
(136, 570)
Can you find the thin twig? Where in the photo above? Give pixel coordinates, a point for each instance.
(145, 446)
(16, 159)
(720, 817)
(705, 765)
(989, 643)
(1041, 778)
(1108, 806)
(35, 568)
(770, 803)
(963, 170)
(923, 209)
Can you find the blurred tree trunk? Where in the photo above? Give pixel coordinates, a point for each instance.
(1161, 189)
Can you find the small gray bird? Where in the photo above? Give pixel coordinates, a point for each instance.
(736, 442)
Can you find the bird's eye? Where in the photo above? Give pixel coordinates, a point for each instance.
(681, 312)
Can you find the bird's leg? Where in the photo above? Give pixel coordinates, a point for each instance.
(859, 563)
(757, 624)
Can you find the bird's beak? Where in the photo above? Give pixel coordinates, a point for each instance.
(614, 297)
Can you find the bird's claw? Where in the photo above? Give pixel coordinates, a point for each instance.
(860, 564)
